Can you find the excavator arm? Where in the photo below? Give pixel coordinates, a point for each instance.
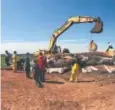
(78, 19)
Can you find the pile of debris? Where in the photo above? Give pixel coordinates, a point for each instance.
(60, 63)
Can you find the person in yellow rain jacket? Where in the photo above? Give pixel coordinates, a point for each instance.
(14, 61)
(75, 71)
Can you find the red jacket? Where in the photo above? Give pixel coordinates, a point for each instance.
(41, 62)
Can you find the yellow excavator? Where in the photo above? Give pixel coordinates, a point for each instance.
(73, 20)
(98, 28)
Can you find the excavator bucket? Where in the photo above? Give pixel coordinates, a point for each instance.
(98, 28)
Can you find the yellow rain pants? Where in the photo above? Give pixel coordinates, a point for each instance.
(14, 62)
(74, 72)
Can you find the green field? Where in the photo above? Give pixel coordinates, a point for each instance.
(2, 61)
(18, 58)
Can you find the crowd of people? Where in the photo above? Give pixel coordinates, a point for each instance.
(38, 67)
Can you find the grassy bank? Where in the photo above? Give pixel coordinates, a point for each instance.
(18, 58)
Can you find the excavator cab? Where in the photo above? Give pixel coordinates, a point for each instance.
(56, 49)
(98, 28)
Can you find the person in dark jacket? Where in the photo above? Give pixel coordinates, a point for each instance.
(8, 58)
(27, 65)
(41, 61)
(37, 74)
(20, 64)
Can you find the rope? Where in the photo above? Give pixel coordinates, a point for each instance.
(91, 37)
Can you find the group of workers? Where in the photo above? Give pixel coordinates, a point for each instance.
(38, 67)
(11, 59)
(40, 64)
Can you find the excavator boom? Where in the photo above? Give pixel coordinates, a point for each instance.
(77, 19)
